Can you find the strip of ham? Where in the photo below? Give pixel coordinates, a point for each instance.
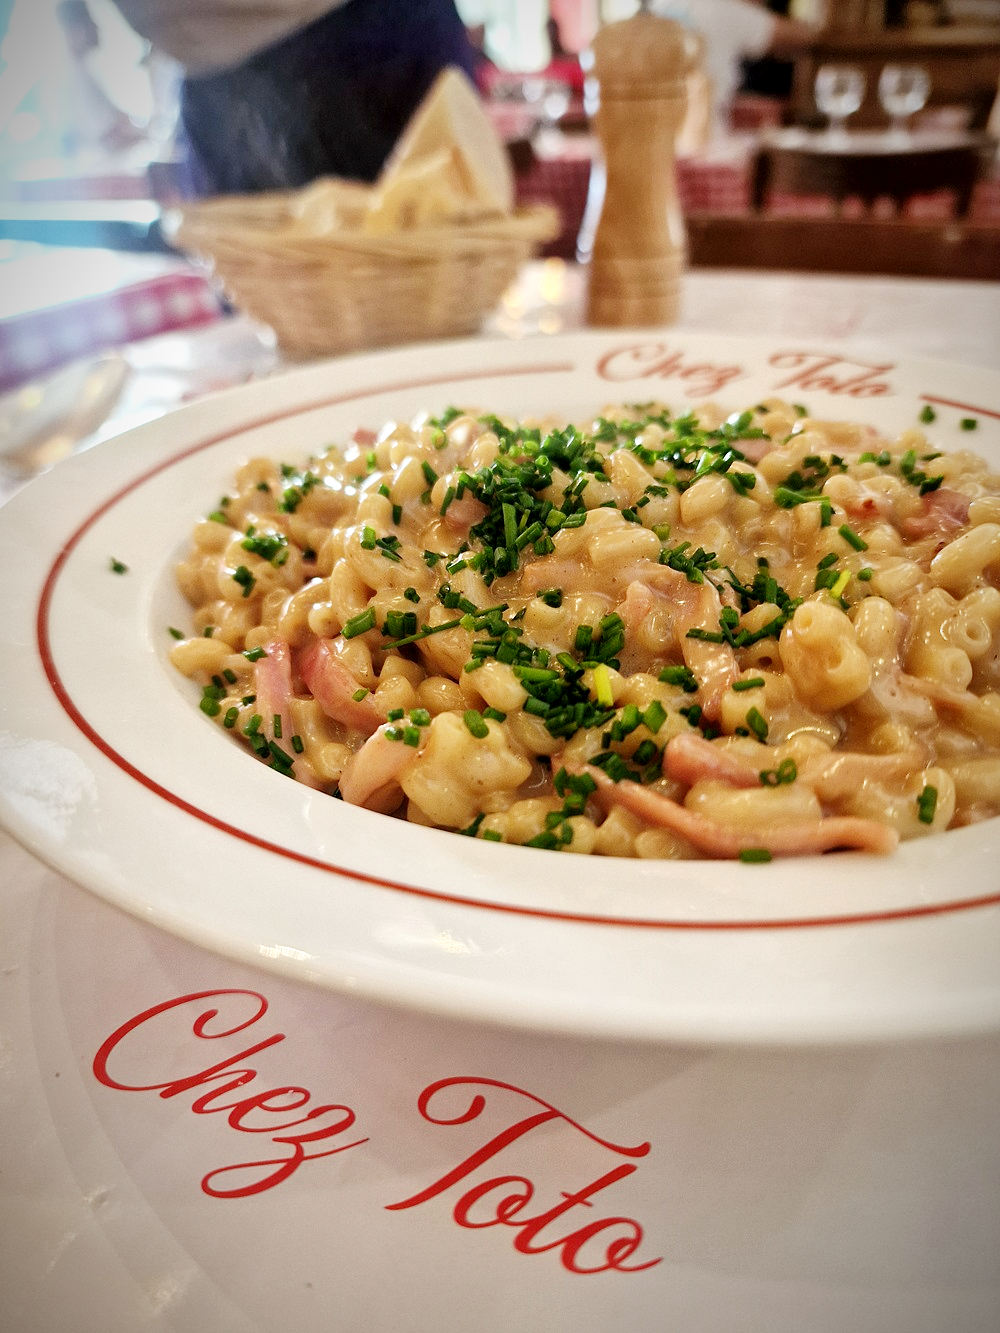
(724, 843)
(689, 757)
(333, 687)
(713, 665)
(942, 696)
(754, 450)
(273, 688)
(463, 514)
(944, 512)
(692, 606)
(372, 774)
(272, 678)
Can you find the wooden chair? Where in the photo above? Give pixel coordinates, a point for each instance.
(868, 167)
(895, 246)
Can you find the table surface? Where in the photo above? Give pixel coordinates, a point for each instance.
(63, 1247)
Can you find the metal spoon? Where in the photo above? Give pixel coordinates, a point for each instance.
(48, 419)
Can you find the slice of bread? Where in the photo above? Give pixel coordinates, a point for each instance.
(448, 163)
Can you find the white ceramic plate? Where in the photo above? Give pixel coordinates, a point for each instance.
(109, 771)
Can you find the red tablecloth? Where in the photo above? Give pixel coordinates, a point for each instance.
(715, 185)
(60, 305)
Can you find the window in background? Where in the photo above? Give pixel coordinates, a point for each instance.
(514, 31)
(73, 81)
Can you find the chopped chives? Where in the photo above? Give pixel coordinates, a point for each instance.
(359, 694)
(750, 683)
(423, 633)
(752, 855)
(785, 497)
(646, 752)
(626, 723)
(280, 759)
(927, 414)
(175, 633)
(475, 723)
(509, 524)
(927, 804)
(654, 716)
(756, 722)
(254, 654)
(852, 538)
(272, 547)
(837, 589)
(602, 685)
(399, 624)
(117, 567)
(969, 423)
(785, 773)
(679, 675)
(245, 579)
(359, 624)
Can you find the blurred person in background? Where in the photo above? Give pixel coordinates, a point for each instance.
(87, 115)
(733, 32)
(73, 88)
(276, 93)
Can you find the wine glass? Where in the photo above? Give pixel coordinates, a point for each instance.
(840, 90)
(903, 90)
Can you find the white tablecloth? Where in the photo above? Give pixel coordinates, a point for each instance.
(83, 1247)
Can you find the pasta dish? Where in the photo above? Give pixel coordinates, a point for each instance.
(704, 635)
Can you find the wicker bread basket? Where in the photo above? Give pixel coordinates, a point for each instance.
(348, 290)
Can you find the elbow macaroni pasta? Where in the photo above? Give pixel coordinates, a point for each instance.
(657, 636)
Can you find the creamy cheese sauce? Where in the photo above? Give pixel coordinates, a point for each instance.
(703, 635)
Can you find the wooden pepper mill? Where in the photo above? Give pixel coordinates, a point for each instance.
(641, 66)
